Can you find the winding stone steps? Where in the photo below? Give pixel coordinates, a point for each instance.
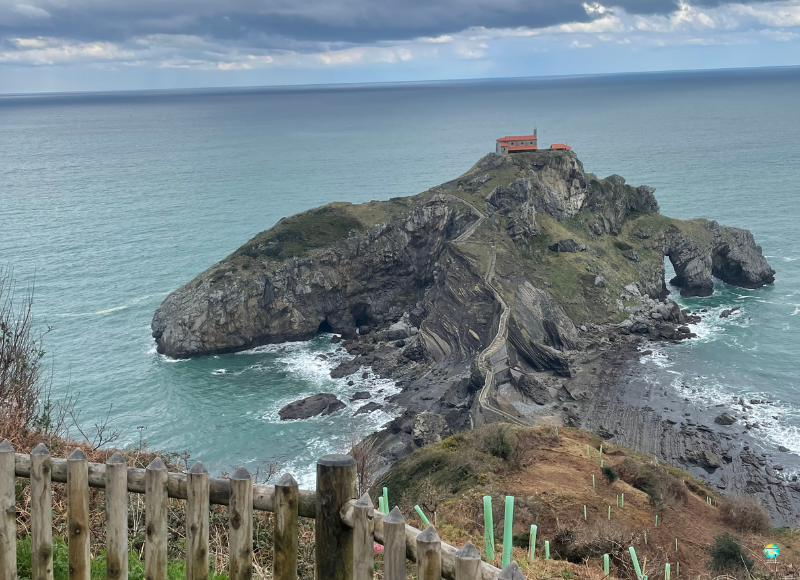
(499, 340)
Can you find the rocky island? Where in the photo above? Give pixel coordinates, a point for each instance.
(519, 292)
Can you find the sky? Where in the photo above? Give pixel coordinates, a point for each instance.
(94, 45)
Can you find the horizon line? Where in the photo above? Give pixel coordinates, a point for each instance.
(353, 85)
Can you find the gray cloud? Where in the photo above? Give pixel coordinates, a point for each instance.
(277, 23)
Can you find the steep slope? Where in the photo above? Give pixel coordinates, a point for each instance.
(550, 473)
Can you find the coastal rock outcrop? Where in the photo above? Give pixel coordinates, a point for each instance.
(706, 249)
(321, 404)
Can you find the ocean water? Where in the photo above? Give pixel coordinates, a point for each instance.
(112, 200)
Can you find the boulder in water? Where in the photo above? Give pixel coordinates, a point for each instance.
(725, 419)
(321, 404)
(368, 408)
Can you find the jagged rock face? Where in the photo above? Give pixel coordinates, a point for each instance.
(359, 281)
(554, 185)
(730, 254)
(612, 202)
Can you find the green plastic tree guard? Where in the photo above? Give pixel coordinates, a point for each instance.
(488, 527)
(386, 501)
(508, 527)
(547, 549)
(601, 450)
(677, 569)
(617, 500)
(635, 563)
(534, 529)
(676, 544)
(656, 524)
(622, 500)
(422, 515)
(380, 504)
(584, 513)
(605, 564)
(645, 537)
(588, 453)
(666, 571)
(593, 485)
(609, 512)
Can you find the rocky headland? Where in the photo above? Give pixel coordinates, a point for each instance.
(519, 291)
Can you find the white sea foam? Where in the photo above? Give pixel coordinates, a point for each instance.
(110, 310)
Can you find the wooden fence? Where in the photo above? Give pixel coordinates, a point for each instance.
(346, 528)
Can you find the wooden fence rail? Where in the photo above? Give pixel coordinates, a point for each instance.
(346, 528)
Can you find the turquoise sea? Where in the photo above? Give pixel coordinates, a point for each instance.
(112, 200)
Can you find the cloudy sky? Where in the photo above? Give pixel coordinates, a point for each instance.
(72, 45)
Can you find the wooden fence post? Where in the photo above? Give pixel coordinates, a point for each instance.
(429, 555)
(197, 522)
(41, 514)
(284, 556)
(8, 513)
(468, 563)
(394, 546)
(155, 517)
(116, 518)
(511, 572)
(363, 539)
(336, 485)
(240, 526)
(78, 516)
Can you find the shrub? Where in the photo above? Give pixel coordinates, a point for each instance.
(577, 542)
(24, 396)
(745, 514)
(647, 482)
(496, 443)
(727, 554)
(622, 245)
(611, 474)
(628, 469)
(453, 442)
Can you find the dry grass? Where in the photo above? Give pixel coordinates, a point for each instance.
(745, 514)
(551, 480)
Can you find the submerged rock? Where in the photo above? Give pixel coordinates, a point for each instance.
(368, 408)
(321, 404)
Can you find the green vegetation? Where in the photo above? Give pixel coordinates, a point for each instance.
(496, 443)
(176, 570)
(295, 236)
(727, 554)
(610, 474)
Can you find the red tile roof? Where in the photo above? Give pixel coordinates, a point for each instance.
(560, 146)
(518, 138)
(523, 148)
